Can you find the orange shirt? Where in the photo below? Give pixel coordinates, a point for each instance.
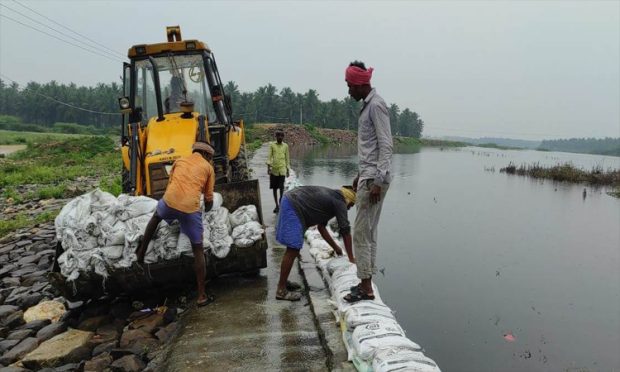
(189, 177)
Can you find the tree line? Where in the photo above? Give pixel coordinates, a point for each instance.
(603, 146)
(39, 104)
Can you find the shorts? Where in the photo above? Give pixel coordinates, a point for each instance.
(289, 230)
(191, 223)
(276, 182)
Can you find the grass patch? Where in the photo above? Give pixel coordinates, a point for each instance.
(566, 172)
(112, 185)
(22, 220)
(440, 143)
(615, 193)
(51, 167)
(9, 137)
(52, 191)
(318, 136)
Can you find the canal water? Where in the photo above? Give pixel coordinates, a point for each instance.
(489, 271)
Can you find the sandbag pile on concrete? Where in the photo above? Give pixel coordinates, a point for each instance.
(100, 232)
(371, 334)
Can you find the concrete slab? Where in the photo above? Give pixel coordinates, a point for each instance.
(246, 328)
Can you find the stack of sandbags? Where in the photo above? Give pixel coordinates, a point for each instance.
(100, 232)
(371, 334)
(245, 225)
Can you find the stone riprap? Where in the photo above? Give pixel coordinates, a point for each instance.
(41, 330)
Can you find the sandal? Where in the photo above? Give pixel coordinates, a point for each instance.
(288, 296)
(292, 286)
(210, 298)
(358, 295)
(356, 288)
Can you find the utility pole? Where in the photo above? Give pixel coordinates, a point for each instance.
(301, 112)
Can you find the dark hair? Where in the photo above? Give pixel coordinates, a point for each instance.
(359, 64)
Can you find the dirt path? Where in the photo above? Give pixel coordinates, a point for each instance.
(9, 149)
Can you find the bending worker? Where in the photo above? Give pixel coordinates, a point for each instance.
(190, 176)
(303, 207)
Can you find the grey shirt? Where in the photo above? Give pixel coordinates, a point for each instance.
(374, 141)
(316, 205)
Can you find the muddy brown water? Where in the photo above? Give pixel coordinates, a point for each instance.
(473, 258)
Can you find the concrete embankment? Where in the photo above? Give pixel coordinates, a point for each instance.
(247, 328)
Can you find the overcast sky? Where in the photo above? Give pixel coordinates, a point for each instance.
(532, 70)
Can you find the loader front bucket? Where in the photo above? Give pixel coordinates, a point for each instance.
(178, 272)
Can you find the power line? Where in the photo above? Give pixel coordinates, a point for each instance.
(67, 28)
(55, 30)
(64, 103)
(64, 41)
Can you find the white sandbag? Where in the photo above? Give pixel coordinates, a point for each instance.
(368, 338)
(366, 313)
(243, 215)
(245, 235)
(217, 200)
(221, 248)
(220, 231)
(312, 234)
(113, 252)
(134, 206)
(402, 359)
(338, 263)
(72, 214)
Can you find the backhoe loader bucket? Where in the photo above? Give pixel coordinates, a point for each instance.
(173, 272)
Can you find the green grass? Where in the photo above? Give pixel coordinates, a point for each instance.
(615, 193)
(320, 138)
(22, 220)
(50, 166)
(112, 185)
(441, 143)
(9, 137)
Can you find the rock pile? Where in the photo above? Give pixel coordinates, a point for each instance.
(40, 330)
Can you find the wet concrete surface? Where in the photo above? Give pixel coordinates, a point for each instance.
(246, 328)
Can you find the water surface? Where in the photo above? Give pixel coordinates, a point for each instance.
(471, 255)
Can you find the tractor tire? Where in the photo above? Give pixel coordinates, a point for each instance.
(239, 166)
(125, 181)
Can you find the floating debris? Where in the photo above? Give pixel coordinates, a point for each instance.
(509, 337)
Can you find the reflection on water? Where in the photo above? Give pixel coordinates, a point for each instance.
(492, 272)
(340, 160)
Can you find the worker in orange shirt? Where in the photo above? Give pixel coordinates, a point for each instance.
(190, 176)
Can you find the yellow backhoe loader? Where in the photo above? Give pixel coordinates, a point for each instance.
(172, 97)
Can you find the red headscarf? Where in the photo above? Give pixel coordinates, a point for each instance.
(358, 76)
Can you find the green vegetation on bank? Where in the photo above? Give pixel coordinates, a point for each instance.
(318, 136)
(53, 167)
(48, 165)
(14, 123)
(8, 137)
(566, 172)
(601, 146)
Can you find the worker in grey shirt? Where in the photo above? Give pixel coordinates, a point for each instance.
(301, 208)
(374, 150)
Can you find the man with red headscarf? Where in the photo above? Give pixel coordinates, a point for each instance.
(374, 150)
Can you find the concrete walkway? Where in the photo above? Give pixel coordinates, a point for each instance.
(247, 329)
